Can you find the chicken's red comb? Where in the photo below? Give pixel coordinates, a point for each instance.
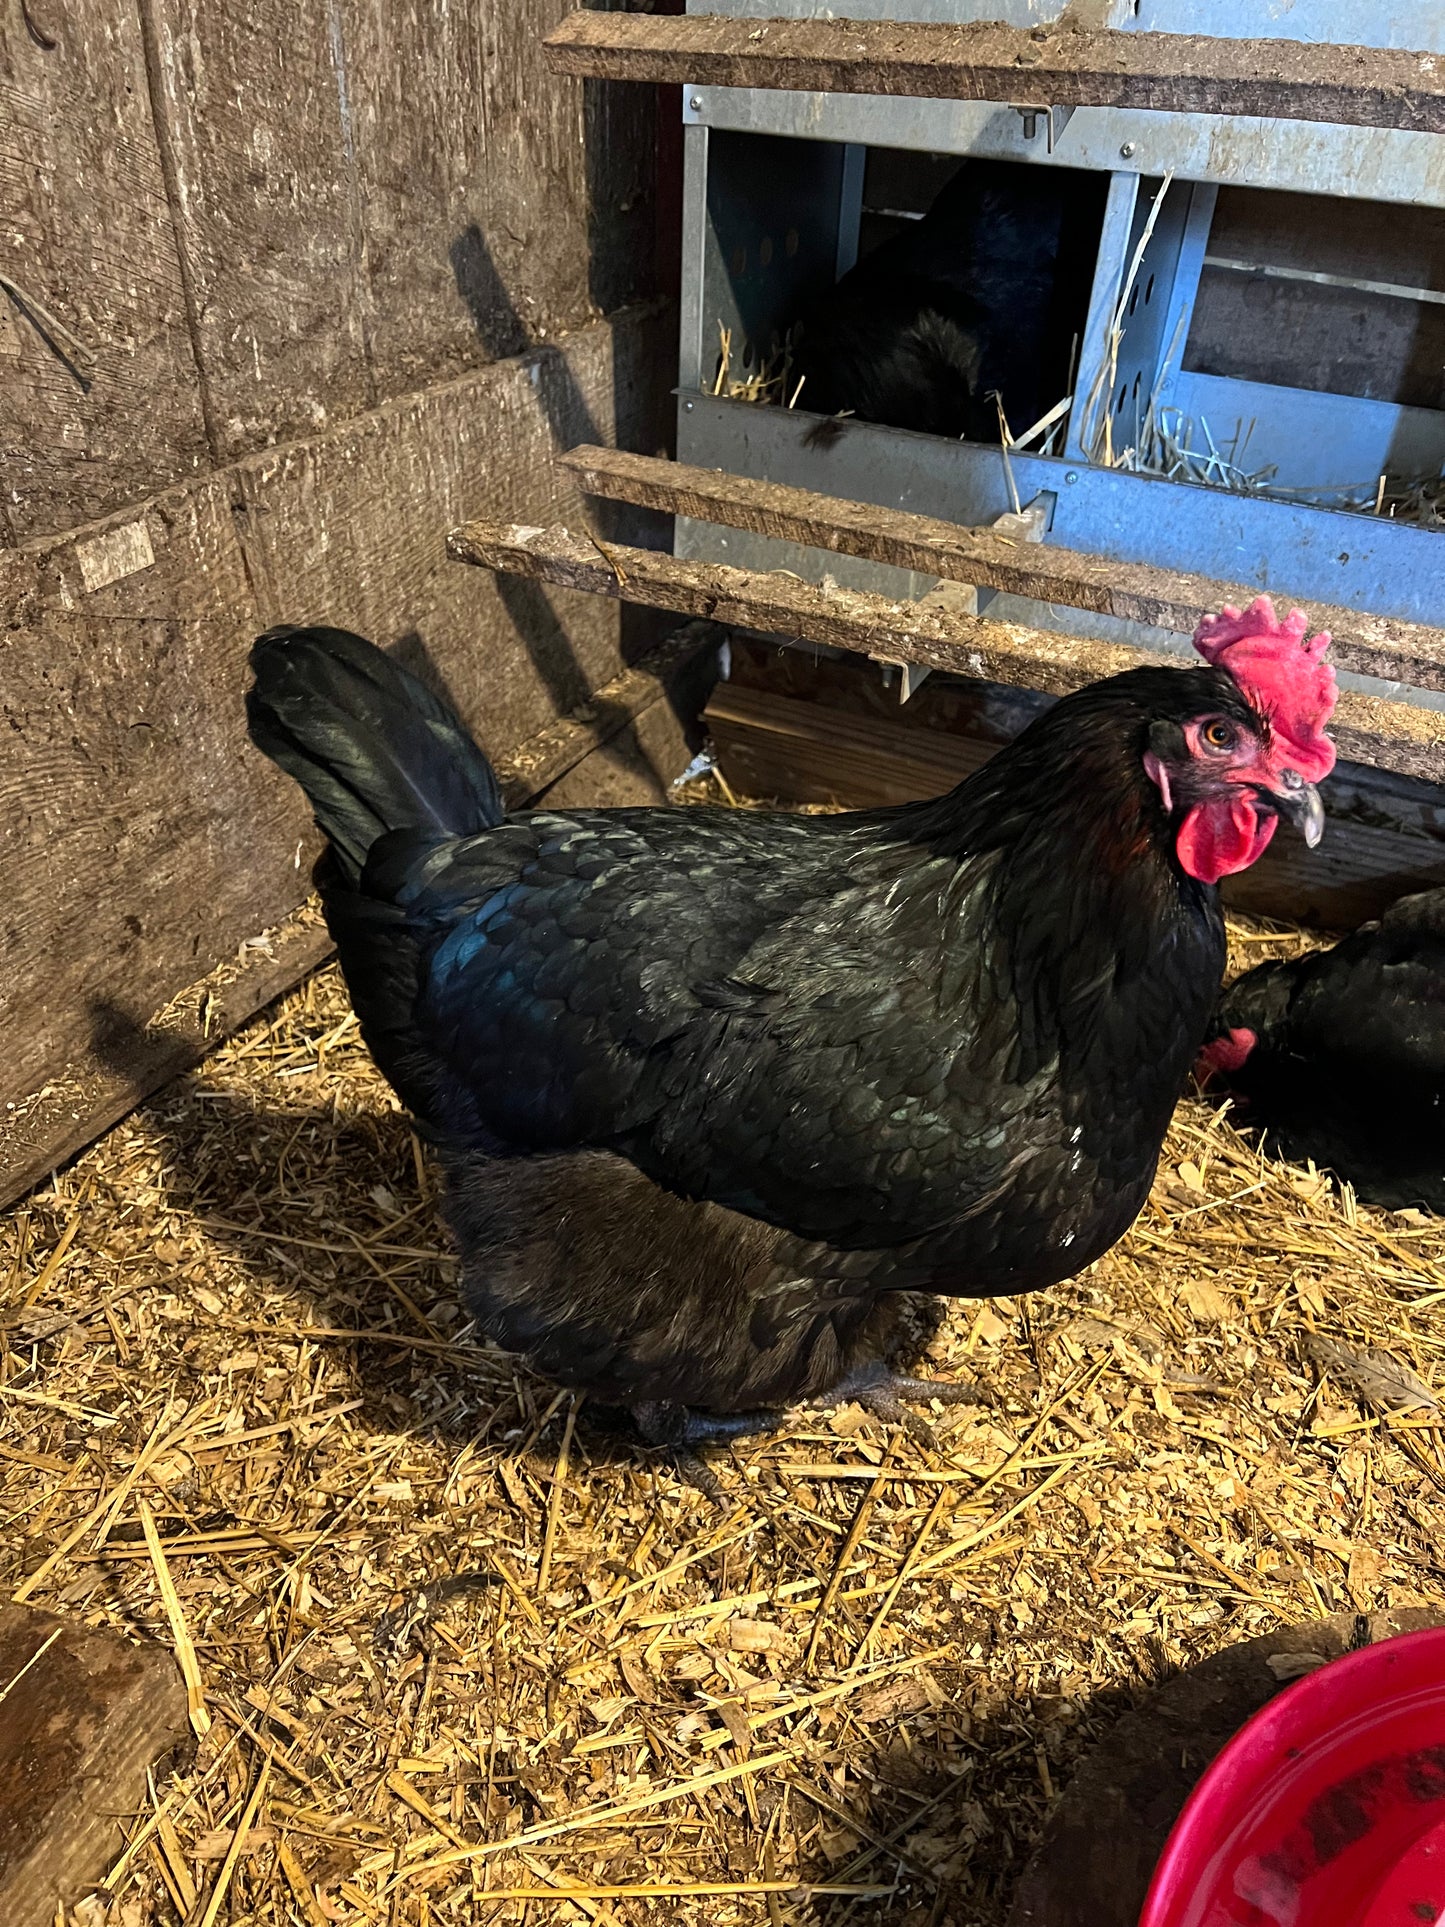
(1283, 675)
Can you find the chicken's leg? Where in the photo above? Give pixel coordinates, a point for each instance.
(680, 1431)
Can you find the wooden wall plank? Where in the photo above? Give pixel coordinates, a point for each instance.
(499, 203)
(142, 840)
(86, 233)
(82, 1098)
(351, 528)
(368, 203)
(138, 843)
(253, 102)
(626, 747)
(1062, 66)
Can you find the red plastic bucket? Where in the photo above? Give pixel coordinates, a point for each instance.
(1327, 1809)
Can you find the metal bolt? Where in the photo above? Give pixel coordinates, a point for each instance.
(695, 103)
(1070, 475)
(688, 406)
(1126, 152)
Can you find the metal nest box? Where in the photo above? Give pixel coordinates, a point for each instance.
(1255, 397)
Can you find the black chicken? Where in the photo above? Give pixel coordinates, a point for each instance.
(978, 297)
(719, 1093)
(1340, 1055)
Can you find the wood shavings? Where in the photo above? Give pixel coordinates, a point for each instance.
(455, 1732)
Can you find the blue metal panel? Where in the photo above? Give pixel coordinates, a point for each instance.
(1316, 441)
(1109, 271)
(1323, 555)
(1114, 391)
(1184, 289)
(1363, 23)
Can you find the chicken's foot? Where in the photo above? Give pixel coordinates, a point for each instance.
(882, 1391)
(680, 1431)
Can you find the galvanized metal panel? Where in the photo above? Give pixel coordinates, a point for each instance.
(1155, 322)
(1109, 271)
(695, 228)
(1300, 156)
(1362, 561)
(770, 238)
(1316, 441)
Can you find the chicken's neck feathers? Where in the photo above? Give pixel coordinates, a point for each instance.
(1062, 852)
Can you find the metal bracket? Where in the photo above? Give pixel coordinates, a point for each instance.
(1055, 120)
(1031, 524)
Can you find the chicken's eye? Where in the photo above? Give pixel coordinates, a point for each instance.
(1219, 734)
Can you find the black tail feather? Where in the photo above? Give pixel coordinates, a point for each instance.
(371, 746)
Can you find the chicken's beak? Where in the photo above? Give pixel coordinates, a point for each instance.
(1299, 802)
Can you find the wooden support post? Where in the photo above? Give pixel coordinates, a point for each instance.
(1135, 591)
(1028, 66)
(1390, 735)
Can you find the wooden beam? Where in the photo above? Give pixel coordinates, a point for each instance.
(1134, 591)
(1389, 735)
(1025, 66)
(84, 1716)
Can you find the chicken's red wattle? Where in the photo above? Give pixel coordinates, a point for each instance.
(1219, 838)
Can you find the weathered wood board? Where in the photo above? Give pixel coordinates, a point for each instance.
(83, 1716)
(291, 294)
(254, 110)
(142, 840)
(350, 528)
(499, 203)
(624, 747)
(1368, 729)
(86, 1095)
(1133, 591)
(85, 232)
(1062, 66)
(367, 202)
(139, 841)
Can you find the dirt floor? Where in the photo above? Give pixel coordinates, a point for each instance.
(465, 1650)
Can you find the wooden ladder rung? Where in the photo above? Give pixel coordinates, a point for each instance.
(1134, 591)
(1368, 729)
(1021, 66)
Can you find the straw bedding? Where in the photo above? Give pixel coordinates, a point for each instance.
(462, 1653)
